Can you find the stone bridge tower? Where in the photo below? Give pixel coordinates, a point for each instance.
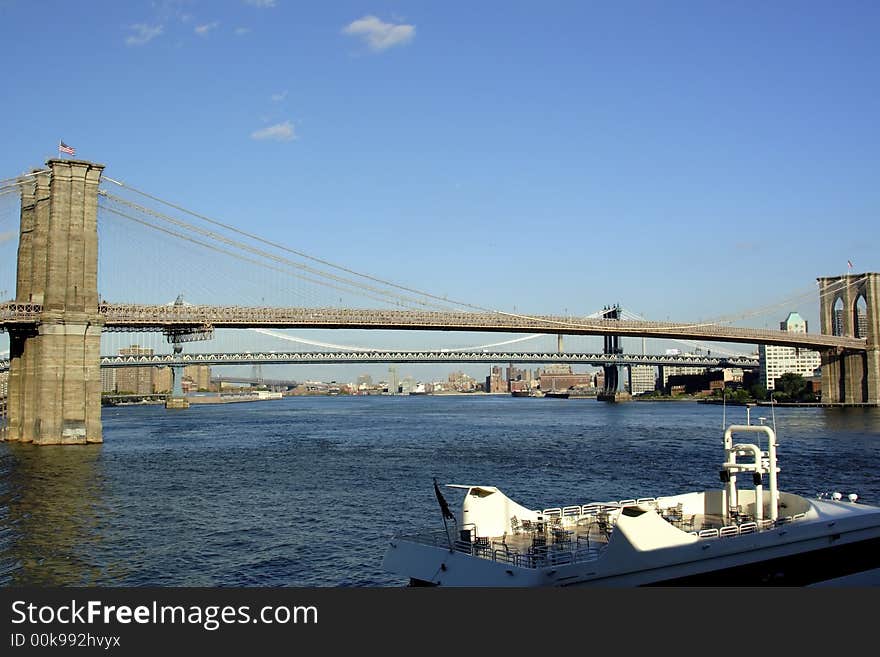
(850, 306)
(54, 375)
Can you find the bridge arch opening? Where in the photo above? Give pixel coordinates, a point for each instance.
(860, 317)
(837, 317)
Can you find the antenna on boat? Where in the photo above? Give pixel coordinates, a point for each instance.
(444, 510)
(724, 408)
(773, 411)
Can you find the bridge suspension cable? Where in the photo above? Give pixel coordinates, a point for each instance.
(832, 289)
(239, 256)
(363, 289)
(629, 314)
(445, 301)
(365, 285)
(293, 338)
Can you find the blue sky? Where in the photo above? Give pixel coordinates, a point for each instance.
(687, 159)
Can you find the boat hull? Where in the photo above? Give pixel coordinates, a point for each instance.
(793, 554)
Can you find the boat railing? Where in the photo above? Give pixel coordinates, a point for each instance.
(746, 527)
(482, 547)
(574, 512)
(571, 511)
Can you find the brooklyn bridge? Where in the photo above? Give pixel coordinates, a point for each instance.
(56, 318)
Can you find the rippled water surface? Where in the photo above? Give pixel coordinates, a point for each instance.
(307, 491)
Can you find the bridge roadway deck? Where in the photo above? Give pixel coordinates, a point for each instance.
(326, 358)
(133, 317)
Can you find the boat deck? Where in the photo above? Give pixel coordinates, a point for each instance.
(558, 539)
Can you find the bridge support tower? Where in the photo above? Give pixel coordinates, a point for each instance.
(850, 306)
(177, 399)
(54, 392)
(615, 375)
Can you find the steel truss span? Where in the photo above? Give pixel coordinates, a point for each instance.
(320, 357)
(133, 317)
(343, 357)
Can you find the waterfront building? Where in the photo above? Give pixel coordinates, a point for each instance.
(108, 379)
(393, 381)
(516, 374)
(462, 382)
(680, 370)
(733, 374)
(774, 360)
(163, 380)
(642, 378)
(4, 384)
(495, 381)
(200, 375)
(561, 377)
(135, 380)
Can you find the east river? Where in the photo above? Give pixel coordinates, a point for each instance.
(307, 491)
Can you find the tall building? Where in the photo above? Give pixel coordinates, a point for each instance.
(108, 379)
(642, 378)
(774, 361)
(861, 323)
(200, 375)
(516, 374)
(393, 381)
(135, 380)
(495, 381)
(163, 379)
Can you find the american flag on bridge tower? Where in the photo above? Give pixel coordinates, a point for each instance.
(64, 148)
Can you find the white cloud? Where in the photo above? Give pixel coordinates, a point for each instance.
(262, 4)
(202, 30)
(278, 132)
(277, 98)
(5, 237)
(143, 34)
(379, 35)
(239, 31)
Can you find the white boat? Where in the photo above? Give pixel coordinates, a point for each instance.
(737, 535)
